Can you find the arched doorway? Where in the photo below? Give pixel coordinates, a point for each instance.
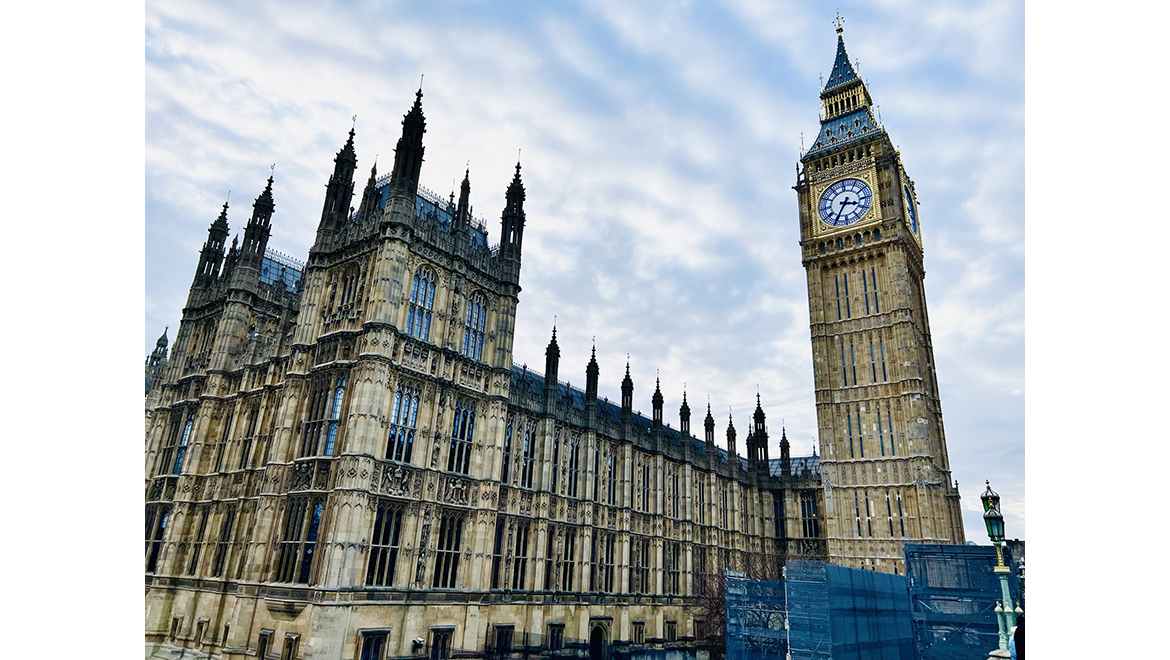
(597, 643)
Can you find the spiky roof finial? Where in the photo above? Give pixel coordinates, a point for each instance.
(840, 22)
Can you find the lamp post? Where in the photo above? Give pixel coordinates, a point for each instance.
(1005, 614)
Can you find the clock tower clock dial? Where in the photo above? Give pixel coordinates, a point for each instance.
(878, 408)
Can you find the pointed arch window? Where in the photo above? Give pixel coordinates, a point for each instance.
(422, 301)
(447, 551)
(473, 327)
(350, 283)
(181, 452)
(249, 436)
(323, 416)
(302, 523)
(529, 457)
(462, 431)
(506, 463)
(384, 545)
(403, 417)
(157, 518)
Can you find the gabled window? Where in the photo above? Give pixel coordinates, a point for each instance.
(302, 523)
(384, 545)
(462, 431)
(473, 326)
(447, 551)
(422, 301)
(403, 415)
(323, 416)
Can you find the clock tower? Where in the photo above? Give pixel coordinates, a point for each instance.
(886, 476)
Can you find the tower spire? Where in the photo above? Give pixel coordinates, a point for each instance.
(512, 224)
(408, 155)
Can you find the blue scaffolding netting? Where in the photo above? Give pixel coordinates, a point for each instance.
(755, 619)
(953, 592)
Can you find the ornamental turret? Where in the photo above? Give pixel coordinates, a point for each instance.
(338, 194)
(512, 227)
(211, 256)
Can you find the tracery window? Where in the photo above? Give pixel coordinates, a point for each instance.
(157, 518)
(596, 473)
(447, 551)
(640, 565)
(249, 436)
(224, 543)
(473, 326)
(223, 440)
(462, 431)
(701, 493)
(529, 458)
(349, 286)
(568, 555)
(556, 460)
(506, 462)
(670, 555)
(177, 440)
(323, 417)
(422, 301)
(699, 578)
(403, 416)
(743, 510)
(611, 476)
(302, 522)
(384, 545)
(601, 577)
(197, 546)
(646, 486)
(574, 461)
(674, 494)
(498, 554)
(520, 556)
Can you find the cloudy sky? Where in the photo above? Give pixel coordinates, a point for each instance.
(659, 148)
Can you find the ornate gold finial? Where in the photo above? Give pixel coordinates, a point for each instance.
(840, 21)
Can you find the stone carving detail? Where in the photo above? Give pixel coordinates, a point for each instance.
(526, 503)
(301, 477)
(396, 480)
(453, 490)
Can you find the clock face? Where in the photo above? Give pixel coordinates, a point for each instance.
(845, 202)
(911, 212)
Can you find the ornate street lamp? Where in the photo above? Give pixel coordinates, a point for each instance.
(1005, 614)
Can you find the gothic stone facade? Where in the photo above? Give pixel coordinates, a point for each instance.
(342, 459)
